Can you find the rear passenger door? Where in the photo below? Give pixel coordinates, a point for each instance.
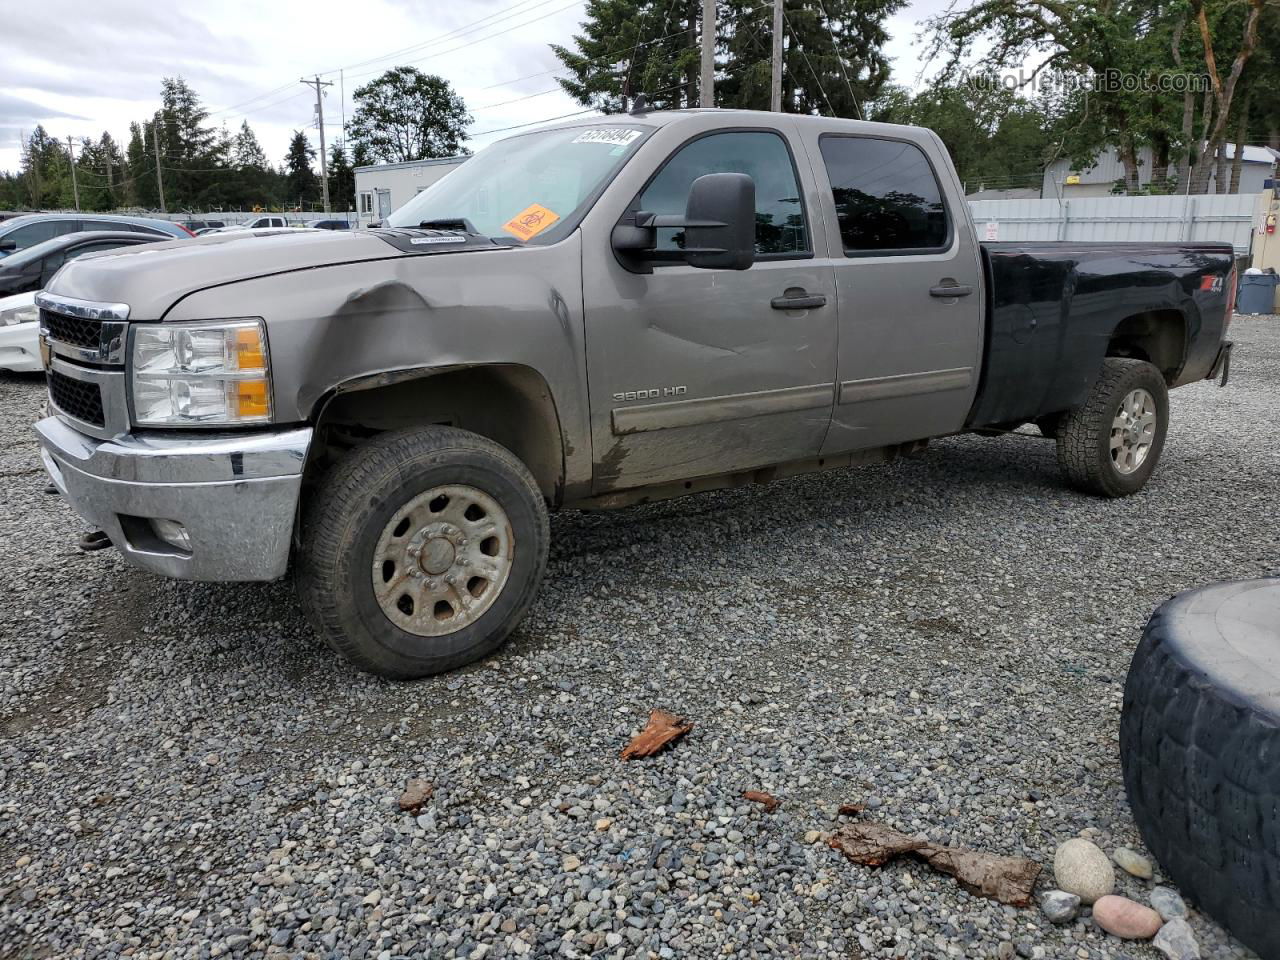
(908, 278)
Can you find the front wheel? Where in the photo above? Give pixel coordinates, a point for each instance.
(422, 551)
(1110, 446)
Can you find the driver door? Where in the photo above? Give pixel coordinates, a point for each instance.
(696, 372)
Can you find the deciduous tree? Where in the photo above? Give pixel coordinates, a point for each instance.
(406, 114)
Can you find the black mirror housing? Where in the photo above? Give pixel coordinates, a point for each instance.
(719, 225)
(720, 231)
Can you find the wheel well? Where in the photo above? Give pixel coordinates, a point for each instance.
(510, 404)
(1157, 336)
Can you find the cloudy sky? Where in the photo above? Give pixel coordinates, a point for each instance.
(84, 66)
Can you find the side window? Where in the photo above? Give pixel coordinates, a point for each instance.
(49, 266)
(39, 232)
(780, 223)
(887, 197)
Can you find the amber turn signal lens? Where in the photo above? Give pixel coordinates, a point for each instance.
(250, 351)
(252, 399)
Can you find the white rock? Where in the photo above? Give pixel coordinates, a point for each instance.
(1080, 867)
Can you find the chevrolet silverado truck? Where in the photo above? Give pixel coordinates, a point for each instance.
(595, 314)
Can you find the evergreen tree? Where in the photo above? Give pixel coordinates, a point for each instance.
(833, 54)
(342, 179)
(192, 155)
(302, 186)
(628, 47)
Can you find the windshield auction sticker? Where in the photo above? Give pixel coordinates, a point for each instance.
(609, 136)
(530, 222)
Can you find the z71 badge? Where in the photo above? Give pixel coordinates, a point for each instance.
(653, 393)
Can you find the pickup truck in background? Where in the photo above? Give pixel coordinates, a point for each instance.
(594, 314)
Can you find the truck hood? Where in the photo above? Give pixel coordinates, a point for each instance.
(152, 277)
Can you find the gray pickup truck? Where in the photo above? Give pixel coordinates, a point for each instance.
(595, 314)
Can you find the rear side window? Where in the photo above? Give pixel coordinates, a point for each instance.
(41, 231)
(780, 223)
(887, 197)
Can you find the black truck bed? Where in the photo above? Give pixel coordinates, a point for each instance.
(1056, 309)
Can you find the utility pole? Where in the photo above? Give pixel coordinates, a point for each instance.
(155, 139)
(324, 166)
(775, 95)
(707, 90)
(75, 187)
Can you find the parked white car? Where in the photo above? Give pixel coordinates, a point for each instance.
(20, 333)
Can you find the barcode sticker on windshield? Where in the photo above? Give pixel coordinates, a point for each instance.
(609, 136)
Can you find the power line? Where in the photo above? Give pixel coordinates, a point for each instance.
(487, 37)
(804, 53)
(451, 34)
(534, 123)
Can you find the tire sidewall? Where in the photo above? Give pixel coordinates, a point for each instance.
(363, 618)
(1147, 378)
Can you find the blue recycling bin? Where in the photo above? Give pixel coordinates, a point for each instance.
(1257, 293)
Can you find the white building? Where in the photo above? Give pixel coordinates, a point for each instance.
(385, 187)
(1062, 181)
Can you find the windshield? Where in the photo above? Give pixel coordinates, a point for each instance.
(527, 186)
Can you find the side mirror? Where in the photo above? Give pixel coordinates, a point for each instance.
(8, 245)
(719, 225)
(720, 222)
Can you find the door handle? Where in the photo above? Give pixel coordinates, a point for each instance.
(796, 298)
(948, 290)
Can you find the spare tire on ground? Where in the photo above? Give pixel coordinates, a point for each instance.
(1200, 747)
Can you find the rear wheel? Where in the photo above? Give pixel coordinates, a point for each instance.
(1111, 445)
(422, 551)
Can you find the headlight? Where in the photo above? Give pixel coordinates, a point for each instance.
(19, 313)
(205, 374)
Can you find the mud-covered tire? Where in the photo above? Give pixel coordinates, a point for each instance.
(1084, 435)
(1200, 748)
(344, 521)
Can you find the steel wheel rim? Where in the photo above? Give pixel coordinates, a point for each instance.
(1133, 431)
(442, 560)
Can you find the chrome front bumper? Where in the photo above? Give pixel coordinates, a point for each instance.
(236, 495)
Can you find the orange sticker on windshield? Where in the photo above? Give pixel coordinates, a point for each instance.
(530, 221)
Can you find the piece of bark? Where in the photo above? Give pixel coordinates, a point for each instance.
(415, 796)
(1006, 879)
(850, 809)
(769, 801)
(662, 729)
(872, 844)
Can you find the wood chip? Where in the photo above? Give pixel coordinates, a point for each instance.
(415, 796)
(769, 801)
(1006, 879)
(662, 729)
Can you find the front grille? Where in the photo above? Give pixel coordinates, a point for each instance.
(72, 330)
(76, 398)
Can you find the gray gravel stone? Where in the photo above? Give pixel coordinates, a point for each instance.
(1059, 906)
(1167, 902)
(1132, 863)
(1176, 941)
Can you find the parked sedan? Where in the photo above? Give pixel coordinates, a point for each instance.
(20, 333)
(330, 224)
(22, 274)
(28, 230)
(33, 267)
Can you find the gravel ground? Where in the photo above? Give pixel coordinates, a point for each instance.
(186, 772)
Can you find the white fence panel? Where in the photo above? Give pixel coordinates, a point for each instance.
(1224, 219)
